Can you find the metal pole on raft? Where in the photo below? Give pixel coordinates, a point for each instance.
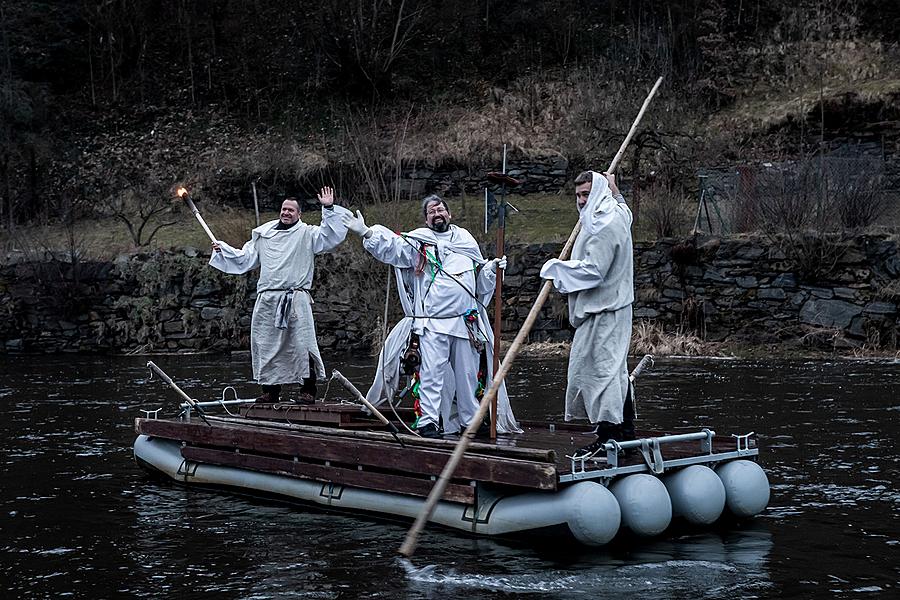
(498, 291)
(409, 544)
(191, 402)
(362, 399)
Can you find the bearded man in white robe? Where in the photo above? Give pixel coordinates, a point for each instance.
(283, 345)
(599, 281)
(444, 284)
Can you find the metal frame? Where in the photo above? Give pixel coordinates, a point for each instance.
(186, 408)
(651, 449)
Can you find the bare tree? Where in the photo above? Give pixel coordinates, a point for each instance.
(367, 38)
(141, 209)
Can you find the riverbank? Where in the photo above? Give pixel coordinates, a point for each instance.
(705, 296)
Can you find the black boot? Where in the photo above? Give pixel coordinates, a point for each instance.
(309, 391)
(605, 431)
(270, 394)
(626, 428)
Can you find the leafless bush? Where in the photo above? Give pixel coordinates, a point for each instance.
(858, 193)
(649, 337)
(664, 206)
(143, 209)
(805, 207)
(365, 39)
(378, 161)
(59, 273)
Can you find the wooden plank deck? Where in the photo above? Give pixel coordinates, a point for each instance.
(338, 443)
(566, 438)
(386, 482)
(365, 459)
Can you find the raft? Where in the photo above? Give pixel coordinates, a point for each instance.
(334, 455)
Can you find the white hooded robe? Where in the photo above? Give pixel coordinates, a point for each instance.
(282, 332)
(599, 281)
(424, 298)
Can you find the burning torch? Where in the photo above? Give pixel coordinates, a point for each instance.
(184, 195)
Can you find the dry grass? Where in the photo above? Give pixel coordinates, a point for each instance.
(577, 113)
(649, 337)
(813, 71)
(543, 218)
(540, 349)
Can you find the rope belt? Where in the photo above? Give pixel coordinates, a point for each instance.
(285, 304)
(470, 317)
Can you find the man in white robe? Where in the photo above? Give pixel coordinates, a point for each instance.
(599, 281)
(444, 284)
(283, 345)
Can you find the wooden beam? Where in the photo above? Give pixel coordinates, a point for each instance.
(385, 456)
(532, 454)
(386, 482)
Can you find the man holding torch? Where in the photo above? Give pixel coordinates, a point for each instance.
(283, 345)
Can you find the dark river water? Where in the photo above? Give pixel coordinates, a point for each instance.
(79, 519)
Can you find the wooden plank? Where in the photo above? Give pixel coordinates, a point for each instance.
(506, 444)
(388, 456)
(295, 412)
(386, 482)
(557, 426)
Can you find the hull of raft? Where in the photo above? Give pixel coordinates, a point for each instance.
(592, 511)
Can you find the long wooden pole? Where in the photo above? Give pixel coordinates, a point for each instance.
(191, 402)
(255, 202)
(498, 313)
(412, 536)
(498, 291)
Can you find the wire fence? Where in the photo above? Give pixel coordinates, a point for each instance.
(822, 194)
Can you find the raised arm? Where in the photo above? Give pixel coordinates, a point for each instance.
(382, 243)
(332, 230)
(572, 275)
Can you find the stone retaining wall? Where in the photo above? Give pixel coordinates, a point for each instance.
(545, 175)
(741, 290)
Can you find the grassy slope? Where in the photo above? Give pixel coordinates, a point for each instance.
(542, 218)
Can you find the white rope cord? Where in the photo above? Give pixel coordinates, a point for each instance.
(328, 387)
(222, 401)
(387, 298)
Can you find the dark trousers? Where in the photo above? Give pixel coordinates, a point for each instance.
(624, 431)
(308, 387)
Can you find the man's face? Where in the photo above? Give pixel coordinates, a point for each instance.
(582, 191)
(437, 217)
(290, 212)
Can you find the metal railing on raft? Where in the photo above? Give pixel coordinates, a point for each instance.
(186, 408)
(596, 466)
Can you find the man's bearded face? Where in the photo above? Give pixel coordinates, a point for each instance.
(437, 217)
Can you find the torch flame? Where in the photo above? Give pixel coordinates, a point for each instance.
(181, 192)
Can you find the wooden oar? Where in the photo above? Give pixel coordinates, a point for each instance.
(191, 402)
(362, 399)
(412, 536)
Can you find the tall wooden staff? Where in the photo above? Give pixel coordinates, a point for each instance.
(412, 536)
(505, 181)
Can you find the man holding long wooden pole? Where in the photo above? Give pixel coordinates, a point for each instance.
(409, 544)
(599, 281)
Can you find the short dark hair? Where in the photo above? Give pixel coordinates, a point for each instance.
(433, 198)
(295, 201)
(584, 177)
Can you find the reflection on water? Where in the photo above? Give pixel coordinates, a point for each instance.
(80, 519)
